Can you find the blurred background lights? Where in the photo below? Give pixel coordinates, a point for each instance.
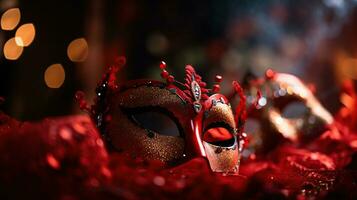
(10, 19)
(314, 40)
(77, 50)
(157, 44)
(54, 76)
(262, 101)
(11, 50)
(345, 66)
(25, 34)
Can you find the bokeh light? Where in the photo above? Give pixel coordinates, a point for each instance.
(77, 50)
(10, 19)
(25, 34)
(345, 66)
(11, 50)
(54, 76)
(157, 44)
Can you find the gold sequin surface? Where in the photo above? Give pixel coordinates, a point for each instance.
(222, 159)
(128, 136)
(220, 113)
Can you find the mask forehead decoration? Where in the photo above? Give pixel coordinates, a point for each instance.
(170, 121)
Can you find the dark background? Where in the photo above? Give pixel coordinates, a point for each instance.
(315, 40)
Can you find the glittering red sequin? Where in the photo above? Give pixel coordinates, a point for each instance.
(65, 158)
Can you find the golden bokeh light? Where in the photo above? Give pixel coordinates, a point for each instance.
(11, 50)
(10, 19)
(54, 76)
(77, 50)
(157, 44)
(25, 34)
(345, 66)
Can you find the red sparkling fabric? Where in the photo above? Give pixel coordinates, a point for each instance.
(64, 158)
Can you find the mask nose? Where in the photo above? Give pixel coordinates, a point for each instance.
(223, 159)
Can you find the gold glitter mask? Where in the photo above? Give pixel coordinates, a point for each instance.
(287, 109)
(171, 122)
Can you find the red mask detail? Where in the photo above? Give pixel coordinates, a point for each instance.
(204, 119)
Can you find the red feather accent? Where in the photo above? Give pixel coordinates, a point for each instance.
(191, 76)
(241, 111)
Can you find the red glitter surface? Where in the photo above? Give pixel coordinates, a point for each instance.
(64, 158)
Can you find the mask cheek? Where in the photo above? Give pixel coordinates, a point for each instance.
(222, 159)
(136, 141)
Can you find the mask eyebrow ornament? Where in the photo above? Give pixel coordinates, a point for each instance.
(203, 117)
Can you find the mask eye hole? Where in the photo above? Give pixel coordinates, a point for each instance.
(156, 120)
(219, 134)
(294, 110)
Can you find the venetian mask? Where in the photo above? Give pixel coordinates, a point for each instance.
(287, 109)
(171, 121)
